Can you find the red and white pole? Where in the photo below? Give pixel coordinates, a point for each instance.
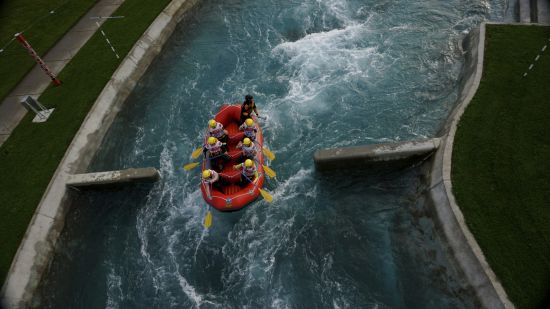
(39, 60)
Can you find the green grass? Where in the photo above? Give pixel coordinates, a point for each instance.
(501, 162)
(41, 28)
(30, 156)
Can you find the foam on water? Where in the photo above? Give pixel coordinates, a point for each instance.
(320, 61)
(295, 187)
(114, 292)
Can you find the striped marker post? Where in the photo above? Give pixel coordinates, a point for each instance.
(37, 58)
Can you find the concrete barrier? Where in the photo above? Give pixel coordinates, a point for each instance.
(372, 154)
(102, 179)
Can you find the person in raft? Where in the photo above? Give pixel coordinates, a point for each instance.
(248, 107)
(248, 172)
(215, 153)
(249, 128)
(216, 130)
(210, 178)
(248, 149)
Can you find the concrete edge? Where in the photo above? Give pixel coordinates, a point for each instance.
(37, 247)
(113, 178)
(373, 154)
(465, 248)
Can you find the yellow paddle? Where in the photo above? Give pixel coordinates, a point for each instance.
(190, 166)
(268, 197)
(197, 152)
(269, 172)
(268, 154)
(208, 219)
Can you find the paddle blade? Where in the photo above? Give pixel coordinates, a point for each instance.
(268, 197)
(196, 153)
(190, 166)
(268, 154)
(208, 220)
(269, 172)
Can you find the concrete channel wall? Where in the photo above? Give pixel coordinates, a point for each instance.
(37, 248)
(449, 218)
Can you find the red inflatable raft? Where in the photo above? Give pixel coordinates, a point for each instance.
(233, 197)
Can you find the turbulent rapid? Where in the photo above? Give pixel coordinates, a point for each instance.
(325, 73)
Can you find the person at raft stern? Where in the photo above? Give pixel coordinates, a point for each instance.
(216, 130)
(248, 107)
(215, 152)
(248, 172)
(248, 149)
(211, 179)
(249, 128)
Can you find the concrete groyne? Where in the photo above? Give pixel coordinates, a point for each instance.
(372, 154)
(113, 178)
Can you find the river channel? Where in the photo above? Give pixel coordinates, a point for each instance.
(325, 73)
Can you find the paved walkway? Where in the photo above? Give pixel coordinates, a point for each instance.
(36, 81)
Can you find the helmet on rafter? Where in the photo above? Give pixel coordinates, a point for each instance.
(212, 123)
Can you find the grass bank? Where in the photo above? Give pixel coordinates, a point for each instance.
(43, 23)
(28, 159)
(501, 169)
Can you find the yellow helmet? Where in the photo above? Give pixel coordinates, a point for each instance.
(249, 122)
(212, 123)
(248, 163)
(212, 140)
(206, 174)
(247, 141)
